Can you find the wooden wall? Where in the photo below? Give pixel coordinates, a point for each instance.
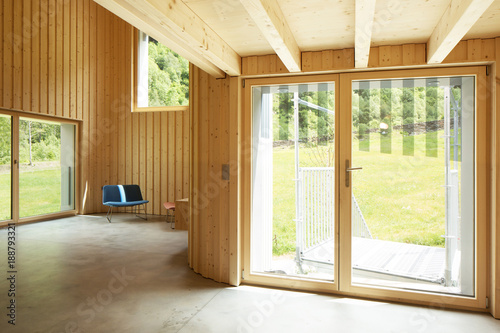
(214, 201)
(73, 59)
(380, 57)
(495, 191)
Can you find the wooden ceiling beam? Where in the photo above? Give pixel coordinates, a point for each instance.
(140, 20)
(268, 16)
(175, 25)
(456, 21)
(364, 16)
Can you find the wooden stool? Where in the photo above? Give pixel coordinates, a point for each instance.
(170, 217)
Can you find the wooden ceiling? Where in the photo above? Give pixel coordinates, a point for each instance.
(215, 34)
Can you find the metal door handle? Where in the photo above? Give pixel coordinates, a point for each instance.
(347, 170)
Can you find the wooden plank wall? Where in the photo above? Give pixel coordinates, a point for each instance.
(495, 225)
(73, 59)
(215, 112)
(380, 57)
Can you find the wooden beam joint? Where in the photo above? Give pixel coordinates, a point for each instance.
(269, 18)
(459, 17)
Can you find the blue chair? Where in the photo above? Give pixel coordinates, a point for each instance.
(123, 196)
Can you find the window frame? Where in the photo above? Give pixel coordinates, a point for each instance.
(135, 87)
(15, 216)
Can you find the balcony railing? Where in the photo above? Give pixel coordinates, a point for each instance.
(316, 220)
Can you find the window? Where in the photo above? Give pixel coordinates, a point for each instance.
(37, 166)
(162, 77)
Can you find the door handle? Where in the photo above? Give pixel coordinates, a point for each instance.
(347, 170)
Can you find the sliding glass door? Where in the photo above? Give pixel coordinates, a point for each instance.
(46, 169)
(371, 184)
(37, 167)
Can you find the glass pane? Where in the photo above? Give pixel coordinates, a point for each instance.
(5, 168)
(163, 75)
(46, 175)
(293, 180)
(413, 202)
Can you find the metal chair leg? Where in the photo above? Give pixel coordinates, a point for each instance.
(145, 212)
(170, 218)
(109, 215)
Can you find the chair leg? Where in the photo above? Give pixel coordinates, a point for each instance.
(109, 215)
(145, 212)
(170, 218)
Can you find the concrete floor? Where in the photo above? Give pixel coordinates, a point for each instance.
(82, 274)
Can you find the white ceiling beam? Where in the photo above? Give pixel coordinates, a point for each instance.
(175, 25)
(459, 17)
(364, 16)
(268, 16)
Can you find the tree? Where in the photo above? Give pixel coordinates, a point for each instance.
(285, 114)
(168, 76)
(5, 143)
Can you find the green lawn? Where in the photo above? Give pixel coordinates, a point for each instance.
(401, 197)
(40, 192)
(283, 200)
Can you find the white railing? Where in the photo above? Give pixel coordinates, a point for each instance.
(316, 207)
(316, 202)
(359, 227)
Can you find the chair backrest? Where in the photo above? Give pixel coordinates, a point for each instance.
(111, 193)
(121, 193)
(132, 192)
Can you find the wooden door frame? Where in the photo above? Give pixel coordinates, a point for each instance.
(263, 279)
(15, 174)
(342, 284)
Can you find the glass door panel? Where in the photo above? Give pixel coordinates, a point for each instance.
(412, 212)
(293, 180)
(46, 176)
(5, 168)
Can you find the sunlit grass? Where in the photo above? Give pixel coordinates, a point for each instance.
(284, 200)
(402, 198)
(39, 192)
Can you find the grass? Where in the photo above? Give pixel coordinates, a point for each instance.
(283, 200)
(39, 192)
(401, 197)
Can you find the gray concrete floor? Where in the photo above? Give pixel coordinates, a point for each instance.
(83, 274)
